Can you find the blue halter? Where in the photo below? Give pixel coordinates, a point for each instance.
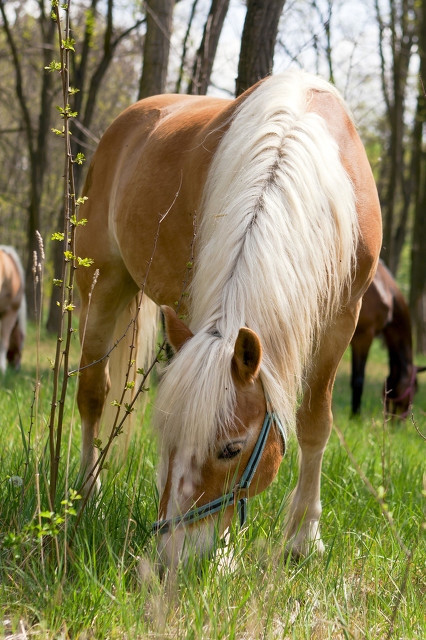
(237, 495)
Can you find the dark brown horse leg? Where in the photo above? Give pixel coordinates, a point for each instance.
(360, 345)
(314, 424)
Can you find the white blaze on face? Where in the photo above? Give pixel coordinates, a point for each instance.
(183, 541)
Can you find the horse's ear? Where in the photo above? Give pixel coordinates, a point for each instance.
(176, 330)
(247, 355)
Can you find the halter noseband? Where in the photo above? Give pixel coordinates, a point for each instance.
(237, 495)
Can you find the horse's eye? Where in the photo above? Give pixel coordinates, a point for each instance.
(231, 450)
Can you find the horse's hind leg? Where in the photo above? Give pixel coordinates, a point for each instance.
(97, 325)
(314, 424)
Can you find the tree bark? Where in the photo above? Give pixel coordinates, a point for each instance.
(395, 194)
(204, 59)
(37, 142)
(258, 42)
(159, 14)
(418, 245)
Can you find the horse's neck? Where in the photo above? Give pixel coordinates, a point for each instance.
(397, 336)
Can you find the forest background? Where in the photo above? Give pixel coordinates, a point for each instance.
(374, 51)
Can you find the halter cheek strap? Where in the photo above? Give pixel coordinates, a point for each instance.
(238, 495)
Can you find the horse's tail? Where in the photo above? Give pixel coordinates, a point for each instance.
(144, 338)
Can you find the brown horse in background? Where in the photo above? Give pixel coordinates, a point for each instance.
(267, 204)
(385, 312)
(12, 308)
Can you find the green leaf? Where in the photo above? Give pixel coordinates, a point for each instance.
(66, 111)
(68, 43)
(54, 66)
(73, 219)
(80, 159)
(46, 514)
(84, 262)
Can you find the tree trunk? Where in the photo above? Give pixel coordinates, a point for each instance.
(396, 194)
(159, 14)
(418, 270)
(206, 53)
(37, 147)
(258, 42)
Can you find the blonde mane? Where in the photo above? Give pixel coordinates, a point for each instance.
(274, 253)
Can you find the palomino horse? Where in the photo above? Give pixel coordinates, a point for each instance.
(384, 311)
(271, 201)
(12, 308)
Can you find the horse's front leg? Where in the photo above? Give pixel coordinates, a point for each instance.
(93, 388)
(8, 321)
(314, 424)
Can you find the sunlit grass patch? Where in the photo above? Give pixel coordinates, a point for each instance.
(100, 579)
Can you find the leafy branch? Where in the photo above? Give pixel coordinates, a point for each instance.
(67, 237)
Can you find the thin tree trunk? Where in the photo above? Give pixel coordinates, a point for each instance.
(258, 42)
(418, 244)
(159, 14)
(206, 53)
(395, 195)
(181, 74)
(37, 146)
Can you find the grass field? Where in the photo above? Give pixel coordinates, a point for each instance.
(97, 580)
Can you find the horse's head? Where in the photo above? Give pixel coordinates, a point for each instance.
(16, 343)
(202, 481)
(399, 392)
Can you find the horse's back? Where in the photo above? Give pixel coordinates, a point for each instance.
(146, 183)
(355, 161)
(144, 188)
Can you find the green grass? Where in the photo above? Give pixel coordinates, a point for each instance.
(104, 585)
